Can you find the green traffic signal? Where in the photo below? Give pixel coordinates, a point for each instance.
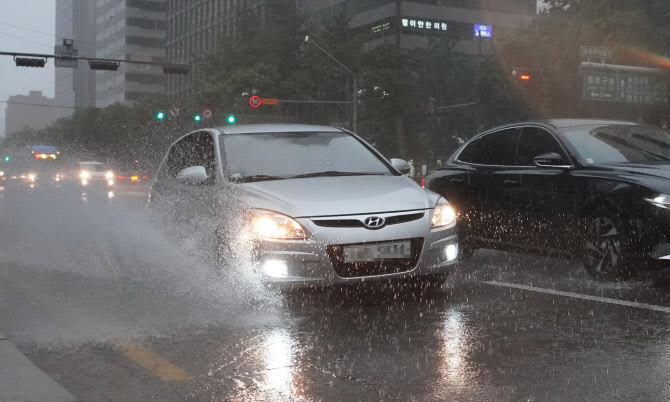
(7, 159)
(197, 117)
(231, 119)
(160, 115)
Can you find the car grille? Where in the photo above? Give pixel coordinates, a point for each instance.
(356, 223)
(359, 269)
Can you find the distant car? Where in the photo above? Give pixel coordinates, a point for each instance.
(319, 205)
(132, 177)
(591, 188)
(94, 174)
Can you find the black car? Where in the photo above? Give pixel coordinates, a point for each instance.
(596, 189)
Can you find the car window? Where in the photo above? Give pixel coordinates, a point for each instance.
(535, 141)
(286, 155)
(492, 149)
(195, 150)
(619, 143)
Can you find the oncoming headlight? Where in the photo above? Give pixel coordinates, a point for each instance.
(661, 201)
(274, 225)
(84, 175)
(109, 175)
(444, 215)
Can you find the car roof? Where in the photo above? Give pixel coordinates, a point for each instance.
(564, 123)
(276, 128)
(91, 163)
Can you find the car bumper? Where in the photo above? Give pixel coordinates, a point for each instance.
(311, 263)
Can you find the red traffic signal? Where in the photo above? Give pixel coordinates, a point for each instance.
(525, 77)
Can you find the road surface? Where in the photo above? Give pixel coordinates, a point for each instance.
(109, 306)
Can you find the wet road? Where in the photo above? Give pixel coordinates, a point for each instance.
(111, 309)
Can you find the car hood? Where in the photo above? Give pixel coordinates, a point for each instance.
(329, 196)
(656, 176)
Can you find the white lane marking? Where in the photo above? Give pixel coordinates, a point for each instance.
(581, 296)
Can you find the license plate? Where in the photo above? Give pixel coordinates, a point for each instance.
(377, 252)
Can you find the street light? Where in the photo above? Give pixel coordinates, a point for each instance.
(355, 95)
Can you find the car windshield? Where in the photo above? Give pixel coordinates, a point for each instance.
(93, 167)
(619, 143)
(267, 156)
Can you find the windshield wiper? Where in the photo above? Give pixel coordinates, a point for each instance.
(254, 178)
(333, 173)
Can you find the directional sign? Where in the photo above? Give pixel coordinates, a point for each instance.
(625, 84)
(255, 101)
(269, 101)
(596, 53)
(207, 114)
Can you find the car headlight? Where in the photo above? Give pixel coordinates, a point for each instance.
(274, 225)
(32, 176)
(444, 215)
(661, 201)
(84, 175)
(109, 175)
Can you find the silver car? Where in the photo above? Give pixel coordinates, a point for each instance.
(320, 205)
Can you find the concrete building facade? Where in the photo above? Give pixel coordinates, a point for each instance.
(26, 111)
(75, 87)
(130, 30)
(468, 26)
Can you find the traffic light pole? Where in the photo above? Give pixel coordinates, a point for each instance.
(168, 68)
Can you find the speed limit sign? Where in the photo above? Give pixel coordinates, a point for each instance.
(255, 101)
(207, 114)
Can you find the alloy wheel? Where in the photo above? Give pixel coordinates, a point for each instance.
(603, 246)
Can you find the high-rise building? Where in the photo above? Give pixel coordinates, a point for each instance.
(114, 29)
(195, 28)
(130, 30)
(34, 111)
(75, 87)
(468, 26)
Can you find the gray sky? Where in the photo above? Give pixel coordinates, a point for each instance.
(29, 15)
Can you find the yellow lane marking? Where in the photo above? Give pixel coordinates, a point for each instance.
(160, 367)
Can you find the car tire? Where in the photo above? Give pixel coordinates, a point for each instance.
(605, 246)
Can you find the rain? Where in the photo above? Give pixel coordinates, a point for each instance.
(349, 200)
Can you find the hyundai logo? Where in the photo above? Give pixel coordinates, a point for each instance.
(374, 222)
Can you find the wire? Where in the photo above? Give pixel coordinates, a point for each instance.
(27, 40)
(37, 104)
(95, 45)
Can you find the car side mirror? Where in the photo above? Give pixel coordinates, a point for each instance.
(193, 175)
(551, 160)
(401, 166)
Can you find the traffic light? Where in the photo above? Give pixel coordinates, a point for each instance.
(231, 119)
(523, 75)
(103, 65)
(30, 62)
(197, 118)
(7, 158)
(160, 115)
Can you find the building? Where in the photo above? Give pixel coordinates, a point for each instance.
(34, 111)
(130, 30)
(468, 26)
(75, 87)
(115, 29)
(195, 28)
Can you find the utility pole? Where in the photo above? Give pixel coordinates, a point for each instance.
(354, 124)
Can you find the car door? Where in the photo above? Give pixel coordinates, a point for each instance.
(490, 184)
(548, 195)
(186, 183)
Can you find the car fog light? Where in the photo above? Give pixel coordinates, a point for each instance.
(275, 268)
(451, 251)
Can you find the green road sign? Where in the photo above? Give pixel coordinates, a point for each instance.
(626, 84)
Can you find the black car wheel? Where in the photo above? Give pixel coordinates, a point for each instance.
(605, 247)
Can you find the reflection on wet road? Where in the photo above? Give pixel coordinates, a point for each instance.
(98, 298)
